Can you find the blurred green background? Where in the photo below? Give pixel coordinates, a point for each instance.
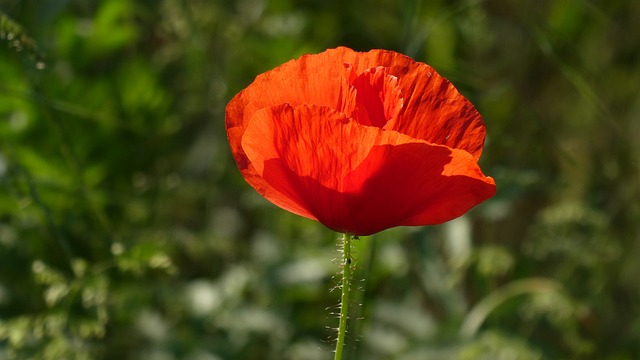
(126, 231)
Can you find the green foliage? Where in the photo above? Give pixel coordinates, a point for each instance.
(496, 346)
(17, 39)
(126, 231)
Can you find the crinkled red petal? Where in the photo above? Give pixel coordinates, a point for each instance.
(358, 179)
(378, 97)
(432, 110)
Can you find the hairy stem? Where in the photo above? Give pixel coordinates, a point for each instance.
(346, 292)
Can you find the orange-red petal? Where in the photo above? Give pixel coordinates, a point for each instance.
(378, 97)
(416, 184)
(433, 109)
(295, 149)
(358, 179)
(312, 79)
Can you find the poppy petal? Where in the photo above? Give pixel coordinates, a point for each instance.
(415, 184)
(320, 79)
(378, 97)
(358, 179)
(435, 111)
(432, 110)
(294, 152)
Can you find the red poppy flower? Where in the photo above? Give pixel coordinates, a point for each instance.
(360, 142)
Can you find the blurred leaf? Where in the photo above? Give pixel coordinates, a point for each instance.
(17, 39)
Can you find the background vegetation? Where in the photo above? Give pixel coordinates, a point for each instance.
(126, 231)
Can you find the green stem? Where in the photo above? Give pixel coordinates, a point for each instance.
(346, 292)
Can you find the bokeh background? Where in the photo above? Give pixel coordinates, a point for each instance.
(126, 231)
